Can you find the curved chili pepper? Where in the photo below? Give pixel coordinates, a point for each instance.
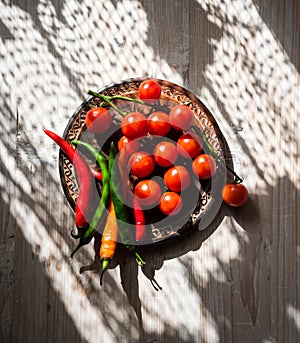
(109, 239)
(140, 229)
(85, 179)
(87, 236)
(139, 217)
(69, 151)
(97, 174)
(120, 208)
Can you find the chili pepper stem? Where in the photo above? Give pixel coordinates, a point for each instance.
(138, 258)
(76, 236)
(104, 265)
(84, 239)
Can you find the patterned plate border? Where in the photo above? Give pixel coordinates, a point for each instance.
(209, 202)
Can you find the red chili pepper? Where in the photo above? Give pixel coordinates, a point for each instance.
(138, 213)
(85, 179)
(97, 174)
(139, 217)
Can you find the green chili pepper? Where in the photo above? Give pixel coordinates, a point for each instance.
(86, 237)
(120, 208)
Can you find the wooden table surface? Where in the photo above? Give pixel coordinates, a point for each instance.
(236, 281)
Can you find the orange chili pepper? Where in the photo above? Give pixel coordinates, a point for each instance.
(109, 239)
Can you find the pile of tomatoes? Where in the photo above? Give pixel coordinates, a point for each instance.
(163, 154)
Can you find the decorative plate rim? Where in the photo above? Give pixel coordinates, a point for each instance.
(214, 201)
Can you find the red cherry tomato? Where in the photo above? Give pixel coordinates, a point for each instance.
(235, 194)
(131, 146)
(98, 120)
(158, 124)
(204, 166)
(148, 192)
(134, 125)
(170, 203)
(177, 178)
(141, 164)
(181, 117)
(165, 154)
(189, 145)
(149, 91)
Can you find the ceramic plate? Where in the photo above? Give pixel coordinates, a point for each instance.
(203, 199)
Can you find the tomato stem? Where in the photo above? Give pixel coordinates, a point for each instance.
(108, 99)
(127, 99)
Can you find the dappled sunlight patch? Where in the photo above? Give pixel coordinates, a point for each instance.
(294, 314)
(214, 261)
(176, 297)
(252, 73)
(47, 53)
(115, 35)
(184, 291)
(52, 61)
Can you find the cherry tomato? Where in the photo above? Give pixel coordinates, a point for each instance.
(189, 145)
(149, 91)
(141, 164)
(134, 125)
(170, 203)
(181, 117)
(131, 146)
(148, 192)
(158, 124)
(98, 120)
(235, 194)
(165, 154)
(204, 166)
(177, 178)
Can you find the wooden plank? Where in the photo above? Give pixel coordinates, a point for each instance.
(236, 281)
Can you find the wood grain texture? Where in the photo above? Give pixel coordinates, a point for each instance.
(236, 281)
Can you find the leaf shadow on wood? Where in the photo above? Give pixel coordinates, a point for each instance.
(280, 19)
(154, 257)
(245, 223)
(188, 243)
(25, 287)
